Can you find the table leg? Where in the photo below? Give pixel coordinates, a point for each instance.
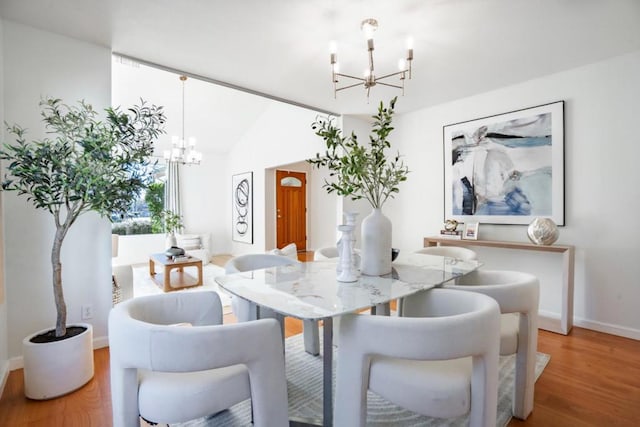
(566, 317)
(152, 270)
(381, 309)
(200, 280)
(167, 278)
(327, 372)
(311, 337)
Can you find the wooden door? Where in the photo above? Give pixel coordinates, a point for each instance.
(291, 209)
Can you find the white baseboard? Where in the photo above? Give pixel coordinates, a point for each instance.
(18, 363)
(100, 342)
(4, 376)
(550, 321)
(608, 328)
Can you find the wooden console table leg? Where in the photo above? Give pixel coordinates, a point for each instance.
(568, 261)
(152, 271)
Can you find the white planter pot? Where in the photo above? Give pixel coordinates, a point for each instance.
(57, 368)
(376, 244)
(171, 241)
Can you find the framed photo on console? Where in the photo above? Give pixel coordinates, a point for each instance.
(507, 168)
(470, 231)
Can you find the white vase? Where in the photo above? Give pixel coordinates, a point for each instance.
(60, 367)
(171, 240)
(376, 244)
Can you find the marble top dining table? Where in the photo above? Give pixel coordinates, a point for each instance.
(310, 291)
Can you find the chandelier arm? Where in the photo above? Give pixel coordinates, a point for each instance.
(397, 73)
(348, 87)
(350, 76)
(390, 85)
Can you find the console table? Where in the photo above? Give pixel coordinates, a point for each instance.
(565, 322)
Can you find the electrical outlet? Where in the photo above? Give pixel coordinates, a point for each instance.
(87, 312)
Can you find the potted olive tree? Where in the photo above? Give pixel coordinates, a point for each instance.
(363, 171)
(87, 165)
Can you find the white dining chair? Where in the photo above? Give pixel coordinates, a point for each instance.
(517, 295)
(245, 310)
(444, 251)
(172, 361)
(449, 251)
(440, 362)
(327, 252)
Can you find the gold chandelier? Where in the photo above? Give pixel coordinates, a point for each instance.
(369, 80)
(183, 151)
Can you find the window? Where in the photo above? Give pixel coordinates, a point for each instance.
(143, 215)
(290, 181)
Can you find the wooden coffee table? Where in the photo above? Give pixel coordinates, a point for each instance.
(170, 280)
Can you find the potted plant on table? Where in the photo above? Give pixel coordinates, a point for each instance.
(364, 172)
(172, 223)
(90, 165)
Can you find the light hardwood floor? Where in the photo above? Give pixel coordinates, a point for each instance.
(592, 379)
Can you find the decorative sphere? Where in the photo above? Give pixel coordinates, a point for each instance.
(450, 225)
(542, 231)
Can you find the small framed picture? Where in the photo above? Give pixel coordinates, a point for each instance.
(470, 231)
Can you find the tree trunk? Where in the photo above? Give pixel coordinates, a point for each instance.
(61, 307)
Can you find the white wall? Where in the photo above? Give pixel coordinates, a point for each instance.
(324, 212)
(281, 135)
(602, 149)
(4, 328)
(205, 200)
(136, 248)
(38, 64)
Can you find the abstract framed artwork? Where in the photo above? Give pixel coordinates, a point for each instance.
(507, 168)
(242, 202)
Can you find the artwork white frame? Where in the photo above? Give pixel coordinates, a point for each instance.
(507, 168)
(242, 207)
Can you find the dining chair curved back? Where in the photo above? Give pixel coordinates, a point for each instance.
(245, 310)
(449, 251)
(517, 294)
(327, 252)
(441, 363)
(250, 262)
(172, 360)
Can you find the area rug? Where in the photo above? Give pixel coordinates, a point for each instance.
(144, 285)
(304, 383)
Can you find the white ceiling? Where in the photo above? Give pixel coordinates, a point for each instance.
(280, 47)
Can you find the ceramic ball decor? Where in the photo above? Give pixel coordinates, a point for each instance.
(542, 231)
